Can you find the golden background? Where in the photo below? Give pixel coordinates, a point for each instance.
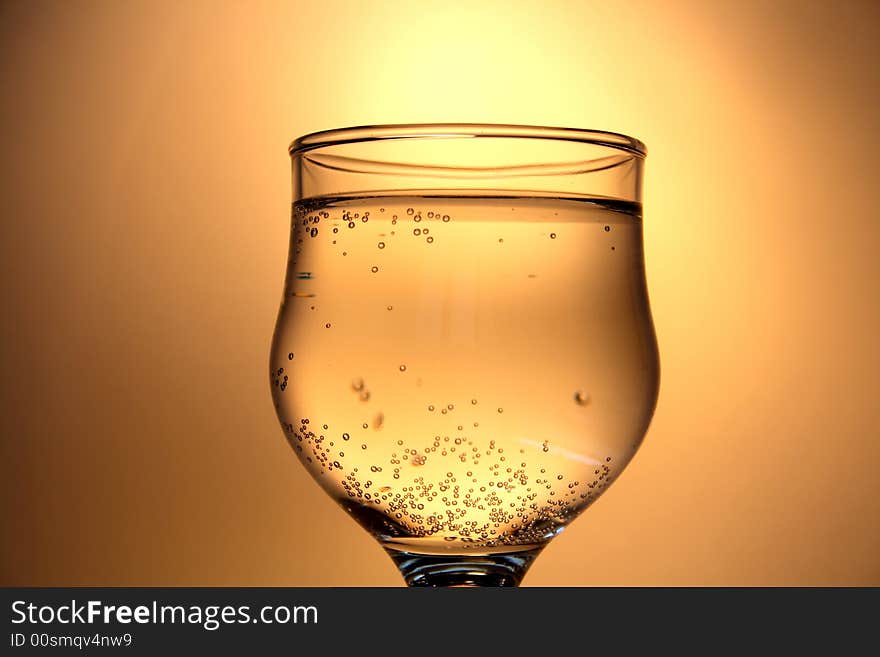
(145, 204)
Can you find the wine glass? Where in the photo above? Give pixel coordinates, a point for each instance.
(464, 357)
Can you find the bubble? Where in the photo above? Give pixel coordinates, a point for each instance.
(431, 407)
(345, 436)
(335, 230)
(430, 240)
(365, 425)
(607, 459)
(500, 410)
(374, 269)
(581, 398)
(357, 384)
(390, 307)
(501, 240)
(607, 229)
(612, 248)
(559, 477)
(364, 446)
(410, 211)
(474, 402)
(381, 245)
(402, 368)
(545, 446)
(313, 232)
(450, 406)
(351, 224)
(446, 218)
(290, 356)
(552, 236)
(327, 325)
(417, 231)
(345, 253)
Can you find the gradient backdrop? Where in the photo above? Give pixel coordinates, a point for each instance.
(145, 208)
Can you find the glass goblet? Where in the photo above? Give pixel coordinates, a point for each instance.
(464, 357)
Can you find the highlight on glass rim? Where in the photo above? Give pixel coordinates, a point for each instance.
(464, 357)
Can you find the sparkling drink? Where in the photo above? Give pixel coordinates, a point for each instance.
(465, 373)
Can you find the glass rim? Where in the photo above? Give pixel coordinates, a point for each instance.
(367, 133)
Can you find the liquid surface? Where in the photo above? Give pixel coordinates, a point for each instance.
(464, 374)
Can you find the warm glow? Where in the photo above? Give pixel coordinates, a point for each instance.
(146, 205)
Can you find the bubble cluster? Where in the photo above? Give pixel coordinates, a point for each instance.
(279, 379)
(473, 495)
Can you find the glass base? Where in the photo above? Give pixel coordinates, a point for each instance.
(456, 570)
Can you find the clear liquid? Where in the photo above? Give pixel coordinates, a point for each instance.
(465, 374)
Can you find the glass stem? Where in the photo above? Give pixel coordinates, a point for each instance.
(463, 570)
